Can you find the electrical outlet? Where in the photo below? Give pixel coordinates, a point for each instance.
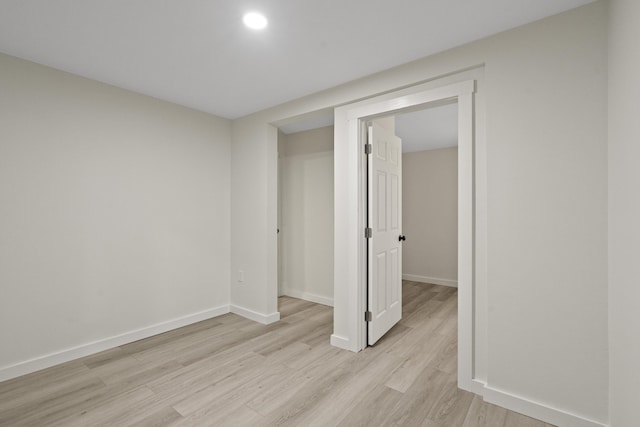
(240, 276)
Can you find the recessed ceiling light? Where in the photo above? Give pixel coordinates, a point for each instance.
(255, 20)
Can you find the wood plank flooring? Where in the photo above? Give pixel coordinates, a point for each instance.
(229, 371)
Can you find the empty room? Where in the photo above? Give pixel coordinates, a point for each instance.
(204, 222)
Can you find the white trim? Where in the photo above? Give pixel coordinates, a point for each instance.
(477, 387)
(341, 342)
(466, 251)
(389, 106)
(265, 319)
(308, 296)
(432, 280)
(537, 410)
(49, 360)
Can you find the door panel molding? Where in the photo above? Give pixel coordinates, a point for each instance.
(384, 283)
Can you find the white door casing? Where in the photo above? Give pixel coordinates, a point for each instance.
(351, 217)
(385, 221)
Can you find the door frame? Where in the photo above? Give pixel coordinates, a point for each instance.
(355, 117)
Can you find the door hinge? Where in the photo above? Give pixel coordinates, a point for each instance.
(368, 233)
(367, 149)
(368, 316)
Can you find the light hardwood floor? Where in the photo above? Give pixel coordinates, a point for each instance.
(231, 371)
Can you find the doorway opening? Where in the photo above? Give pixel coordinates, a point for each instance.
(305, 219)
(412, 212)
(350, 256)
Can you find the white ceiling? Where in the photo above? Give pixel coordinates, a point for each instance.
(197, 53)
(428, 129)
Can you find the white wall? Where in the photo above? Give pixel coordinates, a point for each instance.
(254, 220)
(114, 215)
(430, 216)
(306, 227)
(545, 289)
(547, 212)
(624, 212)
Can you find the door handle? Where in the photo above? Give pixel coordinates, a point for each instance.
(402, 238)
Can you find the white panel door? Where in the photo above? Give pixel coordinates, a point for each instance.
(385, 221)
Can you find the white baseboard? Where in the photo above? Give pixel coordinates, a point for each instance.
(432, 280)
(536, 410)
(265, 319)
(308, 296)
(49, 360)
(474, 386)
(341, 342)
